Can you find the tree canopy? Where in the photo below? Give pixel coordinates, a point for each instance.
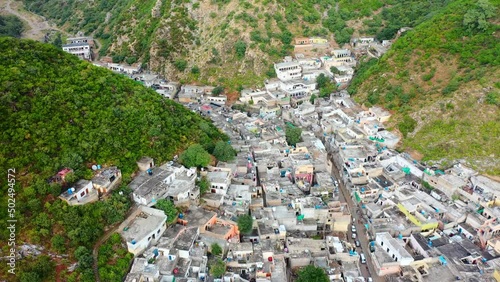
(223, 151)
(11, 25)
(476, 19)
(169, 208)
(325, 85)
(218, 268)
(312, 273)
(245, 223)
(218, 90)
(321, 81)
(195, 156)
(215, 249)
(293, 135)
(203, 184)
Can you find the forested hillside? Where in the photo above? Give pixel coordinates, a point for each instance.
(58, 111)
(228, 42)
(442, 82)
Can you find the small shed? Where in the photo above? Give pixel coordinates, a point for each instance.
(145, 163)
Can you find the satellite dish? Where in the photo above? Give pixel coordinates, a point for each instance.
(94, 167)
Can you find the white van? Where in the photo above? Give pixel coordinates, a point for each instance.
(362, 258)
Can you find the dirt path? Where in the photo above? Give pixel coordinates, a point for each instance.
(112, 229)
(36, 26)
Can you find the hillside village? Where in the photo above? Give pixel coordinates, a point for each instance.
(341, 198)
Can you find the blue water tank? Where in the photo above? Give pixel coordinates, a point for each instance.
(181, 216)
(98, 166)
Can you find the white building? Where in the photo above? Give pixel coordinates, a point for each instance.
(81, 193)
(173, 183)
(217, 100)
(394, 248)
(298, 87)
(219, 181)
(143, 228)
(82, 50)
(288, 70)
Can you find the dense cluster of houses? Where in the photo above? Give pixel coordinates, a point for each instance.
(341, 198)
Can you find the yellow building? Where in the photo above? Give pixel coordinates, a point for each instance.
(318, 40)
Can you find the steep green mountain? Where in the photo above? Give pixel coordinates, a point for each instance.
(231, 42)
(58, 111)
(441, 80)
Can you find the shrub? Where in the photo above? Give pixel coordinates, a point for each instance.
(240, 48)
(180, 64)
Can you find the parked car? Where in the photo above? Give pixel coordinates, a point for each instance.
(353, 228)
(370, 279)
(353, 236)
(357, 243)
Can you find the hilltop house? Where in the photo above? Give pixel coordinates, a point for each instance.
(81, 193)
(80, 47)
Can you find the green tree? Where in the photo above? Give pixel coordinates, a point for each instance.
(84, 257)
(313, 98)
(334, 70)
(476, 19)
(195, 70)
(204, 184)
(218, 90)
(130, 60)
(180, 64)
(327, 90)
(240, 48)
(293, 135)
(169, 208)
(223, 151)
(58, 40)
(322, 81)
(215, 249)
(117, 58)
(58, 243)
(195, 156)
(218, 268)
(312, 273)
(245, 223)
(11, 25)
